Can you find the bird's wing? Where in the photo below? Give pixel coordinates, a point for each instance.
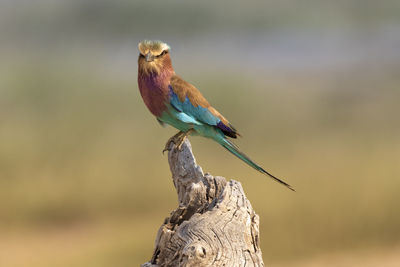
(187, 99)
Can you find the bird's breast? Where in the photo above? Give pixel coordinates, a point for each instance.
(155, 94)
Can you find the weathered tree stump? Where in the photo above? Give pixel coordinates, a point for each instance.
(214, 224)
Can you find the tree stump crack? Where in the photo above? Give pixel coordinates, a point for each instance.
(214, 224)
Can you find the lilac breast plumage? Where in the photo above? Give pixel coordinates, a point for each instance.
(154, 93)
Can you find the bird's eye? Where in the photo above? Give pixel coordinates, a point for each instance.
(162, 53)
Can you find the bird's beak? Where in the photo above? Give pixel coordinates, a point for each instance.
(149, 57)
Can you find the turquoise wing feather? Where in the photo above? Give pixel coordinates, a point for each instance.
(199, 113)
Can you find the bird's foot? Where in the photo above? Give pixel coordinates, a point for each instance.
(182, 139)
(177, 139)
(174, 139)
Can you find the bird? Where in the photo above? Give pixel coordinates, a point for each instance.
(178, 103)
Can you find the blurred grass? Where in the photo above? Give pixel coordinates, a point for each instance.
(78, 151)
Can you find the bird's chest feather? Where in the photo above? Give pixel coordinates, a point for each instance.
(155, 93)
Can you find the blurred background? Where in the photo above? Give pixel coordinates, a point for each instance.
(313, 86)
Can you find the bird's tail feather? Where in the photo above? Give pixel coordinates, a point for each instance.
(231, 147)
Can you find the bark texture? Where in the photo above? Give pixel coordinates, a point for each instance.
(214, 224)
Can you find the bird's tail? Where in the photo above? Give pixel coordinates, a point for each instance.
(231, 147)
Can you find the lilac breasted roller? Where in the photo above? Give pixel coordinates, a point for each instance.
(178, 103)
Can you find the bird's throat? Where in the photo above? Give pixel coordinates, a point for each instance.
(155, 80)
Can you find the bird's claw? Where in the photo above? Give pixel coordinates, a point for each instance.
(174, 139)
(179, 146)
(178, 140)
(168, 145)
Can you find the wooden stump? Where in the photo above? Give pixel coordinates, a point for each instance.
(214, 224)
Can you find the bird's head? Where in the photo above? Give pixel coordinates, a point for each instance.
(154, 56)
